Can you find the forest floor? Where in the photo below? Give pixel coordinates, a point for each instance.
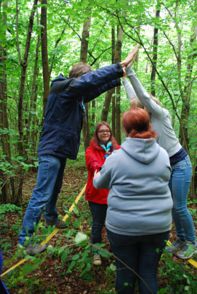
(66, 267)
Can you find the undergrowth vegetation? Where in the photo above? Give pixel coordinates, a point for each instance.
(66, 265)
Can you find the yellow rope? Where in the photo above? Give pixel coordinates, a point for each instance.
(50, 236)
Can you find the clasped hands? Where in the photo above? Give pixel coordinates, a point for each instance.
(129, 59)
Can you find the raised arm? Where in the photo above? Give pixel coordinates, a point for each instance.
(101, 89)
(143, 95)
(91, 80)
(130, 92)
(130, 57)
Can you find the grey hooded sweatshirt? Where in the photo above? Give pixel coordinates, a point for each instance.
(139, 201)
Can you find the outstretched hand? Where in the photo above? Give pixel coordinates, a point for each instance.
(130, 57)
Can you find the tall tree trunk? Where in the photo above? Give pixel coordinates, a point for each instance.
(106, 105)
(113, 96)
(7, 191)
(155, 51)
(93, 119)
(23, 64)
(184, 137)
(32, 132)
(83, 58)
(117, 96)
(185, 111)
(109, 94)
(45, 64)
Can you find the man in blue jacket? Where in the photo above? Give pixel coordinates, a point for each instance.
(60, 138)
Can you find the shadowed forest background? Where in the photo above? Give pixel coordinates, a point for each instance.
(41, 39)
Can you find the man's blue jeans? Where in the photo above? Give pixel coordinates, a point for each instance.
(45, 194)
(98, 212)
(139, 254)
(179, 186)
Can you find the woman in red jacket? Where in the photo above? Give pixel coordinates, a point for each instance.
(101, 146)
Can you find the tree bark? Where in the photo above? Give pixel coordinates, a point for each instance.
(155, 52)
(7, 191)
(185, 111)
(45, 64)
(113, 96)
(24, 64)
(117, 91)
(83, 58)
(93, 119)
(105, 110)
(32, 132)
(184, 136)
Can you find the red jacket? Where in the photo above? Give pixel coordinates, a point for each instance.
(94, 160)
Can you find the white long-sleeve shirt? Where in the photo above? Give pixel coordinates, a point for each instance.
(160, 117)
(130, 92)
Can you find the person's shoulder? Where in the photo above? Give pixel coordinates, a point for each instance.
(59, 78)
(59, 83)
(114, 154)
(166, 111)
(92, 146)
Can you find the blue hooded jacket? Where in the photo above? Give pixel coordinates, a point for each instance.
(64, 110)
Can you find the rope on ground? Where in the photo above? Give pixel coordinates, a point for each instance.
(22, 261)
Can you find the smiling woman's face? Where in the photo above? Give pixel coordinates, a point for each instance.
(104, 134)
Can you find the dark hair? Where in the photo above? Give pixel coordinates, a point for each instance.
(136, 123)
(112, 139)
(79, 69)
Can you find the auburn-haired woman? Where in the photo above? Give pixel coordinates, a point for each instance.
(101, 146)
(185, 246)
(139, 203)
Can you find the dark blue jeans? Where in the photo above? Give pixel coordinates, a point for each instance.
(141, 254)
(45, 194)
(98, 212)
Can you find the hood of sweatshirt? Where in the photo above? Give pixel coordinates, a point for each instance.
(59, 84)
(142, 150)
(59, 78)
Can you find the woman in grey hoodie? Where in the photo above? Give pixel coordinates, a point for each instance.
(139, 203)
(185, 246)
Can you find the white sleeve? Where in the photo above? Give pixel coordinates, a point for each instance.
(104, 179)
(143, 95)
(130, 92)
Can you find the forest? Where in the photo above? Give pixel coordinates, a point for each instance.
(39, 41)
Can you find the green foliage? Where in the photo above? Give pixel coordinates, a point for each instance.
(72, 256)
(6, 208)
(22, 275)
(65, 21)
(179, 276)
